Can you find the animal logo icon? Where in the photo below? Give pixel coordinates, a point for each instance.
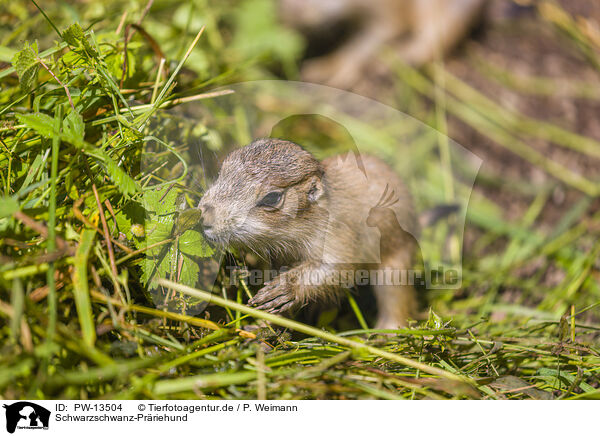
(26, 415)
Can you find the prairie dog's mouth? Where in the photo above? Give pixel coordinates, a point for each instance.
(208, 233)
(214, 237)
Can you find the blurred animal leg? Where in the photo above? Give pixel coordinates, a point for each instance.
(439, 26)
(344, 68)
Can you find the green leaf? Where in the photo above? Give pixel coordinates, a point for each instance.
(187, 220)
(160, 201)
(132, 213)
(8, 206)
(41, 123)
(561, 379)
(26, 65)
(74, 128)
(75, 37)
(156, 232)
(158, 260)
(189, 272)
(193, 244)
(80, 287)
(32, 172)
(124, 182)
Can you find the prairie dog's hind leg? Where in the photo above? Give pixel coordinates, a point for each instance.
(396, 300)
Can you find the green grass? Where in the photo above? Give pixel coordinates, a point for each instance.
(77, 246)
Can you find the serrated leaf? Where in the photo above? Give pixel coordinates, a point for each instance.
(73, 34)
(193, 244)
(153, 269)
(160, 201)
(158, 260)
(28, 77)
(44, 125)
(25, 63)
(41, 123)
(131, 213)
(156, 232)
(123, 181)
(75, 37)
(8, 206)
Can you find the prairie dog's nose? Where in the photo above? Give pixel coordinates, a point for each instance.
(208, 215)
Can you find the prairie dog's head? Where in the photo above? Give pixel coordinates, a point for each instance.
(265, 197)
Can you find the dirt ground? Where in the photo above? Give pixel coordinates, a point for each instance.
(521, 42)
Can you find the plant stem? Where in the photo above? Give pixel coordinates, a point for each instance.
(312, 331)
(51, 244)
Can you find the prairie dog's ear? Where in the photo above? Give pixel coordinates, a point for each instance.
(316, 189)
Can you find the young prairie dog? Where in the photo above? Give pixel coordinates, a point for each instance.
(327, 221)
(419, 30)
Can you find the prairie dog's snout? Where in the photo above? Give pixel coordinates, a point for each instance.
(208, 216)
(274, 198)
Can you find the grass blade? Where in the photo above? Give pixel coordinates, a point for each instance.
(80, 290)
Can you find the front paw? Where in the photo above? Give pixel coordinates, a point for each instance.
(277, 296)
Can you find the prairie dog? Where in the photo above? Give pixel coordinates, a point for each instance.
(325, 221)
(419, 30)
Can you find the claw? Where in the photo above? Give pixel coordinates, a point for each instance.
(286, 307)
(276, 303)
(263, 296)
(274, 298)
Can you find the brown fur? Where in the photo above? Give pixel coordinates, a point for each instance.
(420, 31)
(335, 216)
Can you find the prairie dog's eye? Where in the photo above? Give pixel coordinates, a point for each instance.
(272, 199)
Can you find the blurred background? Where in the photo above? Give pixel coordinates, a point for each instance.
(515, 82)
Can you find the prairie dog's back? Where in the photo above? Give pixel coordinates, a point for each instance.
(357, 190)
(354, 194)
